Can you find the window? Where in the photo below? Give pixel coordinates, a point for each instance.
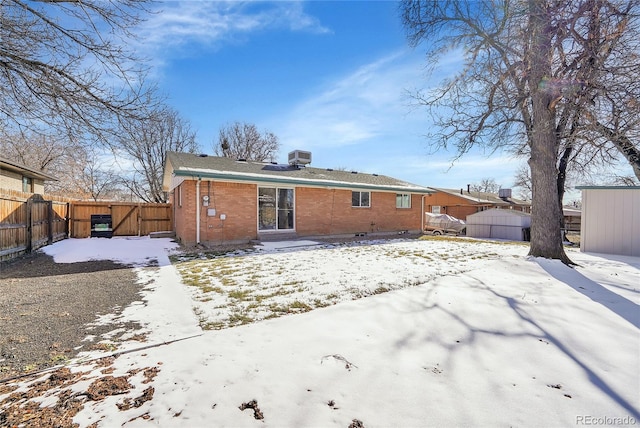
(435, 209)
(27, 185)
(403, 200)
(360, 199)
(275, 208)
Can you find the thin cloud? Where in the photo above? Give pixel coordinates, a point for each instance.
(354, 108)
(213, 23)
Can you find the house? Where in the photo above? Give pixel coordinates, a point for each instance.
(499, 224)
(20, 178)
(460, 203)
(221, 200)
(610, 220)
(572, 218)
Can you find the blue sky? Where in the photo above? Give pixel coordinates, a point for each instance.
(330, 77)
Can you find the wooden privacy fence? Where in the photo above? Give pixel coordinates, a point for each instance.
(29, 221)
(127, 218)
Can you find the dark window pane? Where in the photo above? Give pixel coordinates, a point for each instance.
(266, 208)
(355, 199)
(364, 199)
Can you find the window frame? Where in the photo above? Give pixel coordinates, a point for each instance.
(360, 193)
(27, 184)
(401, 198)
(278, 210)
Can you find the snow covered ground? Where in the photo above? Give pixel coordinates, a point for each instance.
(410, 333)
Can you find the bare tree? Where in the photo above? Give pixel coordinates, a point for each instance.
(64, 64)
(244, 141)
(609, 65)
(487, 185)
(81, 172)
(54, 154)
(96, 178)
(146, 143)
(40, 152)
(597, 95)
(522, 181)
(527, 79)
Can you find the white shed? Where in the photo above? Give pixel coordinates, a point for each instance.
(498, 224)
(610, 220)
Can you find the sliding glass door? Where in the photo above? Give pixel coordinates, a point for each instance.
(275, 208)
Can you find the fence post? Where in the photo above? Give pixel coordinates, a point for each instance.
(29, 236)
(139, 218)
(50, 222)
(72, 226)
(67, 221)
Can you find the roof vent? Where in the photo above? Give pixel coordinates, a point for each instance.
(203, 155)
(354, 172)
(299, 157)
(329, 169)
(504, 193)
(242, 160)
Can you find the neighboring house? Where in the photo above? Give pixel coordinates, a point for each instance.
(460, 203)
(14, 176)
(221, 200)
(500, 224)
(572, 219)
(610, 220)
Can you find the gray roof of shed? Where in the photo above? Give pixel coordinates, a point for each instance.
(500, 212)
(222, 168)
(607, 187)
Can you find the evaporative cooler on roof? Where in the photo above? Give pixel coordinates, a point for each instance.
(299, 157)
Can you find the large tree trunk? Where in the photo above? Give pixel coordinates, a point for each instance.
(546, 235)
(546, 238)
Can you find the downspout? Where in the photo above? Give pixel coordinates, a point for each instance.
(422, 216)
(198, 211)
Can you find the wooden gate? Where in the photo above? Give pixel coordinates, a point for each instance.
(29, 222)
(127, 218)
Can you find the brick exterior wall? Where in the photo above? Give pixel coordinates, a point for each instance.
(236, 201)
(317, 212)
(329, 212)
(458, 207)
(452, 205)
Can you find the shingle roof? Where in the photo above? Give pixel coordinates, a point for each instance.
(214, 167)
(483, 197)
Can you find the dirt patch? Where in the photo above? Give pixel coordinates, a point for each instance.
(46, 309)
(253, 405)
(106, 386)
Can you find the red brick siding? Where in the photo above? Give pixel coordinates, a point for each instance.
(459, 207)
(317, 212)
(329, 212)
(184, 217)
(238, 202)
(452, 205)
